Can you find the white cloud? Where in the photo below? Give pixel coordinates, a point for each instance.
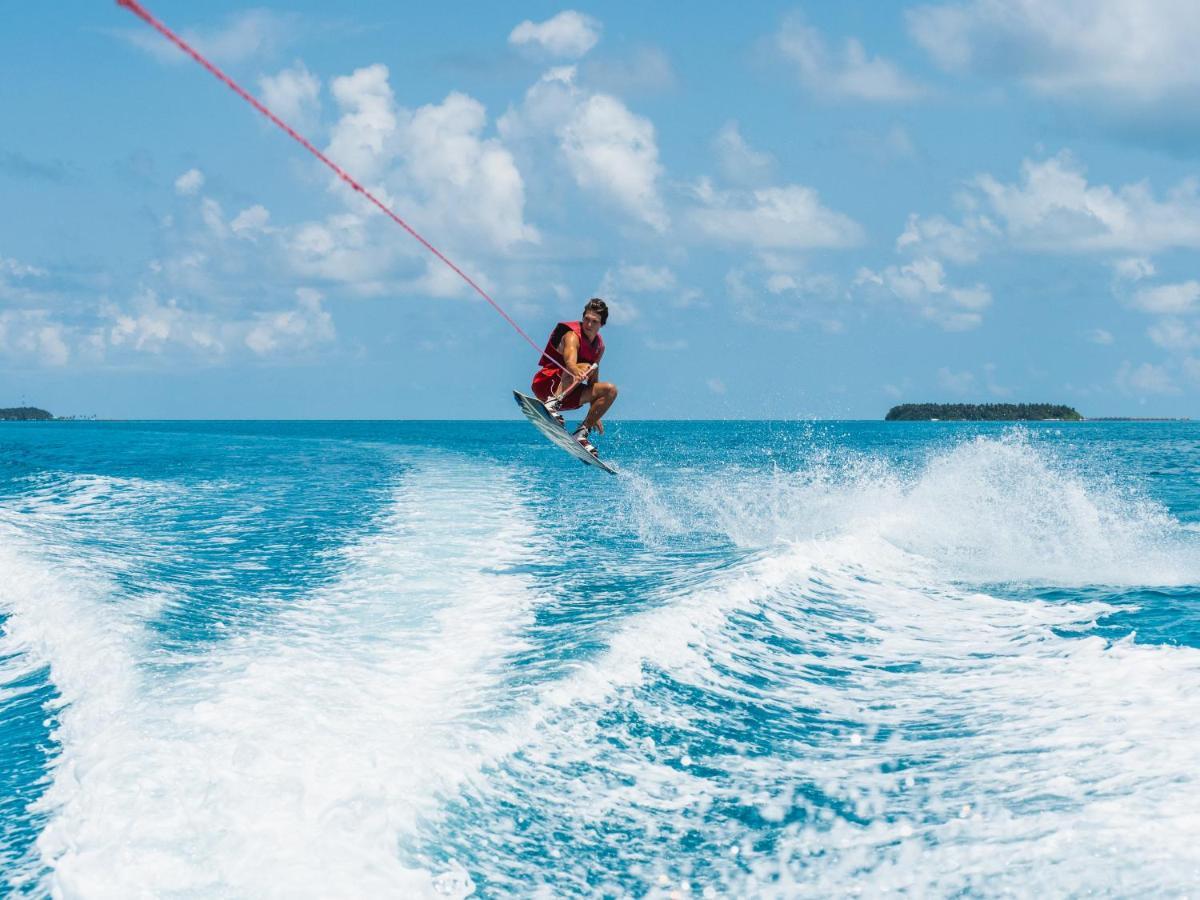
(1144, 379)
(434, 166)
(738, 161)
(250, 222)
(848, 74)
(246, 35)
(785, 217)
(922, 285)
(364, 139)
(293, 329)
(606, 149)
(213, 218)
(464, 183)
(782, 293)
(293, 94)
(568, 35)
(19, 269)
(938, 236)
(1100, 336)
(189, 183)
(613, 152)
(1116, 51)
(959, 383)
(717, 386)
(1054, 208)
(33, 336)
(343, 248)
(1168, 299)
(620, 284)
(641, 279)
(1133, 268)
(1174, 334)
(153, 327)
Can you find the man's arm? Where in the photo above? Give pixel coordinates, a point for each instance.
(569, 349)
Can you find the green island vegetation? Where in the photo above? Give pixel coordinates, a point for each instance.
(24, 414)
(982, 412)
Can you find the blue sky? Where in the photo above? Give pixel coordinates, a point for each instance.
(794, 210)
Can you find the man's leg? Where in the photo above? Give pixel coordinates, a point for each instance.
(601, 396)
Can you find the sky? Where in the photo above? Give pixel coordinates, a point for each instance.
(794, 210)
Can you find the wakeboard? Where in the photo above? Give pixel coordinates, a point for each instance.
(546, 424)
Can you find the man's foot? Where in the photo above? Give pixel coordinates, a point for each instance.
(581, 434)
(553, 407)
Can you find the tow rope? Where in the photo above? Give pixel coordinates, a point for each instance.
(142, 13)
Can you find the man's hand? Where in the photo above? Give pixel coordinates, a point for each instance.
(582, 371)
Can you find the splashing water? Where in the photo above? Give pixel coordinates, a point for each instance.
(937, 660)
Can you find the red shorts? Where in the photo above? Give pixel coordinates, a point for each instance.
(545, 384)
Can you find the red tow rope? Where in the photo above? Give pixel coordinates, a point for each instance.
(142, 13)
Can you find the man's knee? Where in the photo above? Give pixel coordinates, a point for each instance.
(607, 389)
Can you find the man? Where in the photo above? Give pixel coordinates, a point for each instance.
(577, 348)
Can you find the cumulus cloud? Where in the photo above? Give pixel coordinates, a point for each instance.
(1100, 336)
(342, 248)
(568, 35)
(608, 150)
(1115, 49)
(1144, 379)
(433, 164)
(1174, 334)
(366, 135)
(189, 183)
(740, 163)
(939, 237)
(1053, 207)
(613, 151)
(294, 329)
(1168, 299)
(922, 286)
(251, 222)
(1133, 268)
(151, 326)
(294, 94)
(849, 73)
(784, 217)
(33, 336)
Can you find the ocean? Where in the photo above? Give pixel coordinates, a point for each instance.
(769, 659)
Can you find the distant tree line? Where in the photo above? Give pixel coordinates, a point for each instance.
(24, 414)
(981, 412)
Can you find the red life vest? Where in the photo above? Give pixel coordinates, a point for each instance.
(589, 352)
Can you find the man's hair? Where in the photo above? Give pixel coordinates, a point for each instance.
(599, 307)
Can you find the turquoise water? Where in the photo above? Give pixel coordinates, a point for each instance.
(444, 659)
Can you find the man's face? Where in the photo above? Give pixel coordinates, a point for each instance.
(591, 323)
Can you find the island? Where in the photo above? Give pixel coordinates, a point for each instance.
(25, 414)
(982, 412)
